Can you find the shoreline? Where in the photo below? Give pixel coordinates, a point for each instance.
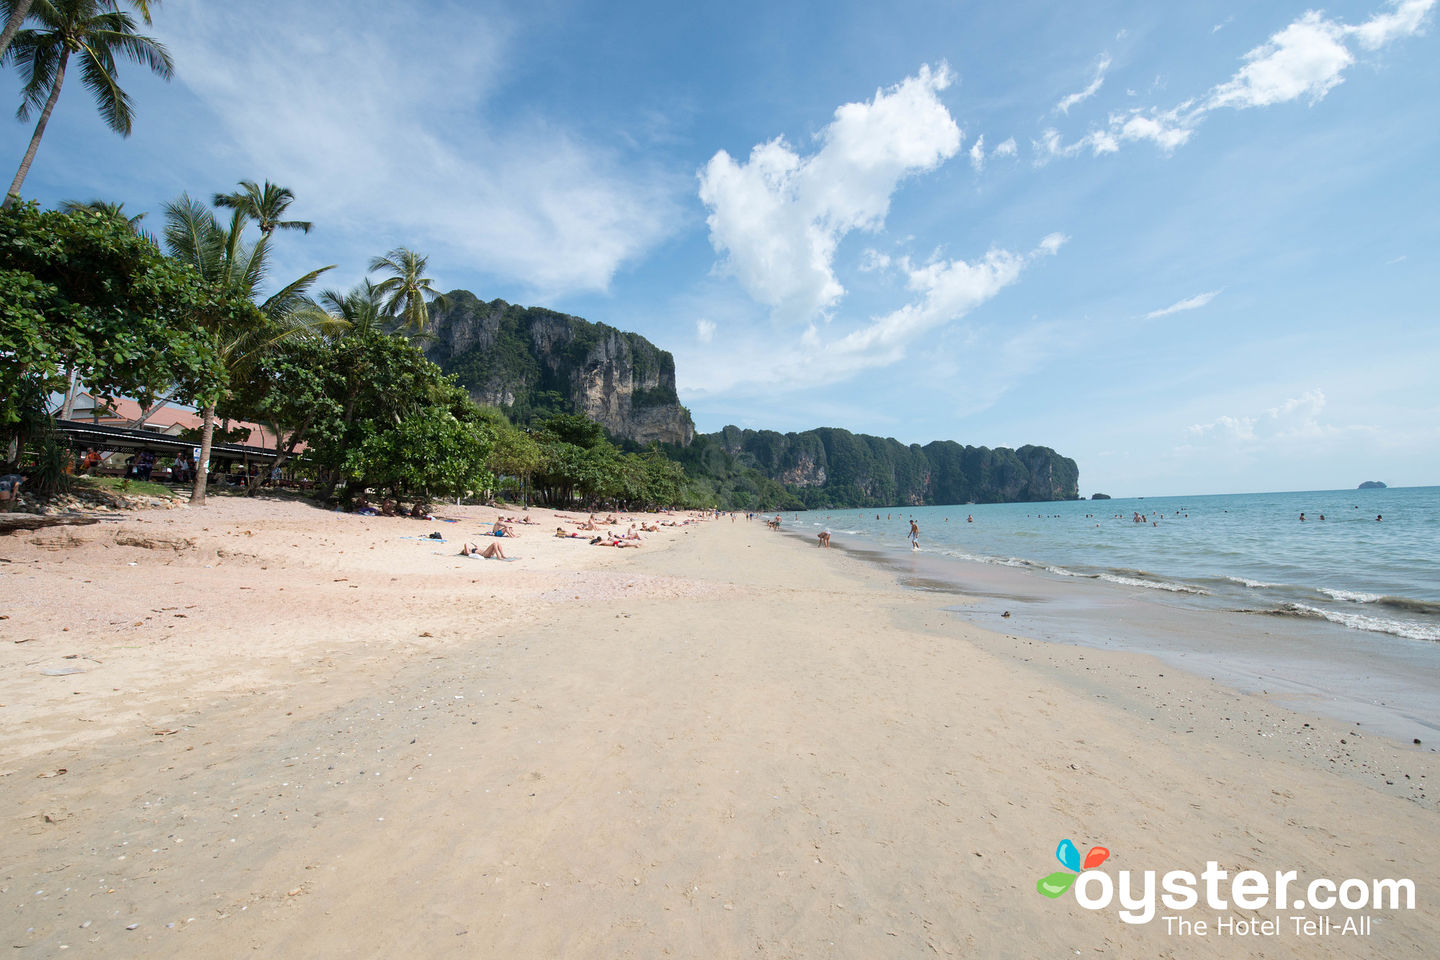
(725, 742)
(1389, 684)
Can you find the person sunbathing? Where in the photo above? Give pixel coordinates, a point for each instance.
(613, 541)
(588, 525)
(501, 530)
(560, 533)
(491, 552)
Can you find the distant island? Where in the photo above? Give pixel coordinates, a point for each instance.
(1099, 496)
(1371, 485)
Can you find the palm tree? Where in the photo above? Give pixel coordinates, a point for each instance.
(95, 31)
(15, 12)
(408, 294)
(106, 207)
(222, 256)
(265, 205)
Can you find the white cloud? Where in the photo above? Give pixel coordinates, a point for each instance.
(1006, 148)
(1306, 59)
(1297, 419)
(1406, 19)
(873, 260)
(1093, 88)
(1189, 303)
(705, 330)
(778, 217)
(392, 136)
(945, 292)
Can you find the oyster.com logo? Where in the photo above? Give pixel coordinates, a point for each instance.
(1058, 882)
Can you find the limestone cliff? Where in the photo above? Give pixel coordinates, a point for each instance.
(833, 467)
(529, 360)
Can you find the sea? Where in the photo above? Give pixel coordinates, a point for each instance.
(1340, 607)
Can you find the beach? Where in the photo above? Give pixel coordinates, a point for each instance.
(296, 733)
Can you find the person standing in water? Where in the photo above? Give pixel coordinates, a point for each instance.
(914, 535)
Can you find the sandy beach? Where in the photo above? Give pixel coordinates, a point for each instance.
(300, 734)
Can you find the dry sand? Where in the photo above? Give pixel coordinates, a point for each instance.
(301, 735)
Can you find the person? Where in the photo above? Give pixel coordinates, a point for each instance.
(1377, 518)
(824, 536)
(613, 541)
(179, 469)
(422, 511)
(9, 490)
(500, 530)
(914, 534)
(491, 552)
(145, 464)
(1302, 518)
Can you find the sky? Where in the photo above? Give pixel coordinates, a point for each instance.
(1194, 246)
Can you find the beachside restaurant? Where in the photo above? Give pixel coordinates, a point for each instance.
(116, 443)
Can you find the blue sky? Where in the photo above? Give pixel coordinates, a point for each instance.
(1193, 246)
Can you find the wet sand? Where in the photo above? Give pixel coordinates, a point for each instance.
(1390, 685)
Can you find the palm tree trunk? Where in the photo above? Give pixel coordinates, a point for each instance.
(12, 26)
(67, 409)
(14, 192)
(202, 468)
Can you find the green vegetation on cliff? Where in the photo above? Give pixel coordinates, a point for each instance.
(533, 363)
(828, 467)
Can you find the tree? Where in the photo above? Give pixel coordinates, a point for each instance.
(15, 12)
(105, 208)
(82, 291)
(114, 210)
(430, 452)
(408, 294)
(514, 452)
(96, 32)
(265, 205)
(222, 256)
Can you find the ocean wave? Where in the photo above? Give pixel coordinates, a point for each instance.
(1409, 629)
(1408, 604)
(1351, 596)
(1255, 584)
(1165, 585)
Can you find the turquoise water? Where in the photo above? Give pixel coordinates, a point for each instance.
(1248, 552)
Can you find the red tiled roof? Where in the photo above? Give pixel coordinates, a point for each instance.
(123, 412)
